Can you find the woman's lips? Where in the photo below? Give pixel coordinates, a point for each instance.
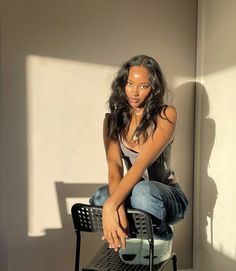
(134, 100)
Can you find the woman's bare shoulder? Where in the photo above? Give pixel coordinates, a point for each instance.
(168, 112)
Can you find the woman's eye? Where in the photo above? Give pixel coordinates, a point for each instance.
(144, 86)
(129, 84)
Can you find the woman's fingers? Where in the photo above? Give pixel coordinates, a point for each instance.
(112, 239)
(109, 238)
(119, 238)
(115, 238)
(122, 237)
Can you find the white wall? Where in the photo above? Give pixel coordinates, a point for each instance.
(58, 59)
(215, 187)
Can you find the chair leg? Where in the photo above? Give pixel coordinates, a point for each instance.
(77, 253)
(174, 259)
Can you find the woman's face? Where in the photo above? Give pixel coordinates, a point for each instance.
(138, 86)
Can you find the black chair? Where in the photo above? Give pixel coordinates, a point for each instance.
(88, 218)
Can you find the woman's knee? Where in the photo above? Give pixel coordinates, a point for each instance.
(100, 196)
(142, 195)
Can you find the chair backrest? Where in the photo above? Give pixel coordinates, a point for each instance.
(88, 218)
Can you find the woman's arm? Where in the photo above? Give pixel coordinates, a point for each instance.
(114, 160)
(115, 174)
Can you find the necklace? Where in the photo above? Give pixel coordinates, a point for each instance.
(136, 112)
(135, 137)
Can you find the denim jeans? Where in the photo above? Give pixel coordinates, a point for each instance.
(166, 204)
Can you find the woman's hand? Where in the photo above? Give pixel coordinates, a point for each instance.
(112, 231)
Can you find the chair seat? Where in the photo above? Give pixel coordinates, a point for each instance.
(108, 260)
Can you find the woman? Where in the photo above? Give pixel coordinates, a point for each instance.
(139, 129)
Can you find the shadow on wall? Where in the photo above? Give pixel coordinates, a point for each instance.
(208, 192)
(208, 189)
(58, 245)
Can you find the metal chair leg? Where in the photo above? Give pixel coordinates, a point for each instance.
(174, 259)
(77, 257)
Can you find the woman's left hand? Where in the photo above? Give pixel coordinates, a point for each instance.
(112, 231)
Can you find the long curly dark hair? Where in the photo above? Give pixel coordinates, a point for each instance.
(120, 117)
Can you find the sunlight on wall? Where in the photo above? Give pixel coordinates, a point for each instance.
(65, 110)
(221, 224)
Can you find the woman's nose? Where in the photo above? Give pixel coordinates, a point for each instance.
(136, 91)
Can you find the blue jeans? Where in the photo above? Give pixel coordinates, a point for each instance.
(166, 204)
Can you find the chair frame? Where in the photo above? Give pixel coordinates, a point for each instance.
(87, 218)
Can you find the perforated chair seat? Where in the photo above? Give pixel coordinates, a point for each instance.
(88, 218)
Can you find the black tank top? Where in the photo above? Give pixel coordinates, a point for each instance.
(159, 170)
